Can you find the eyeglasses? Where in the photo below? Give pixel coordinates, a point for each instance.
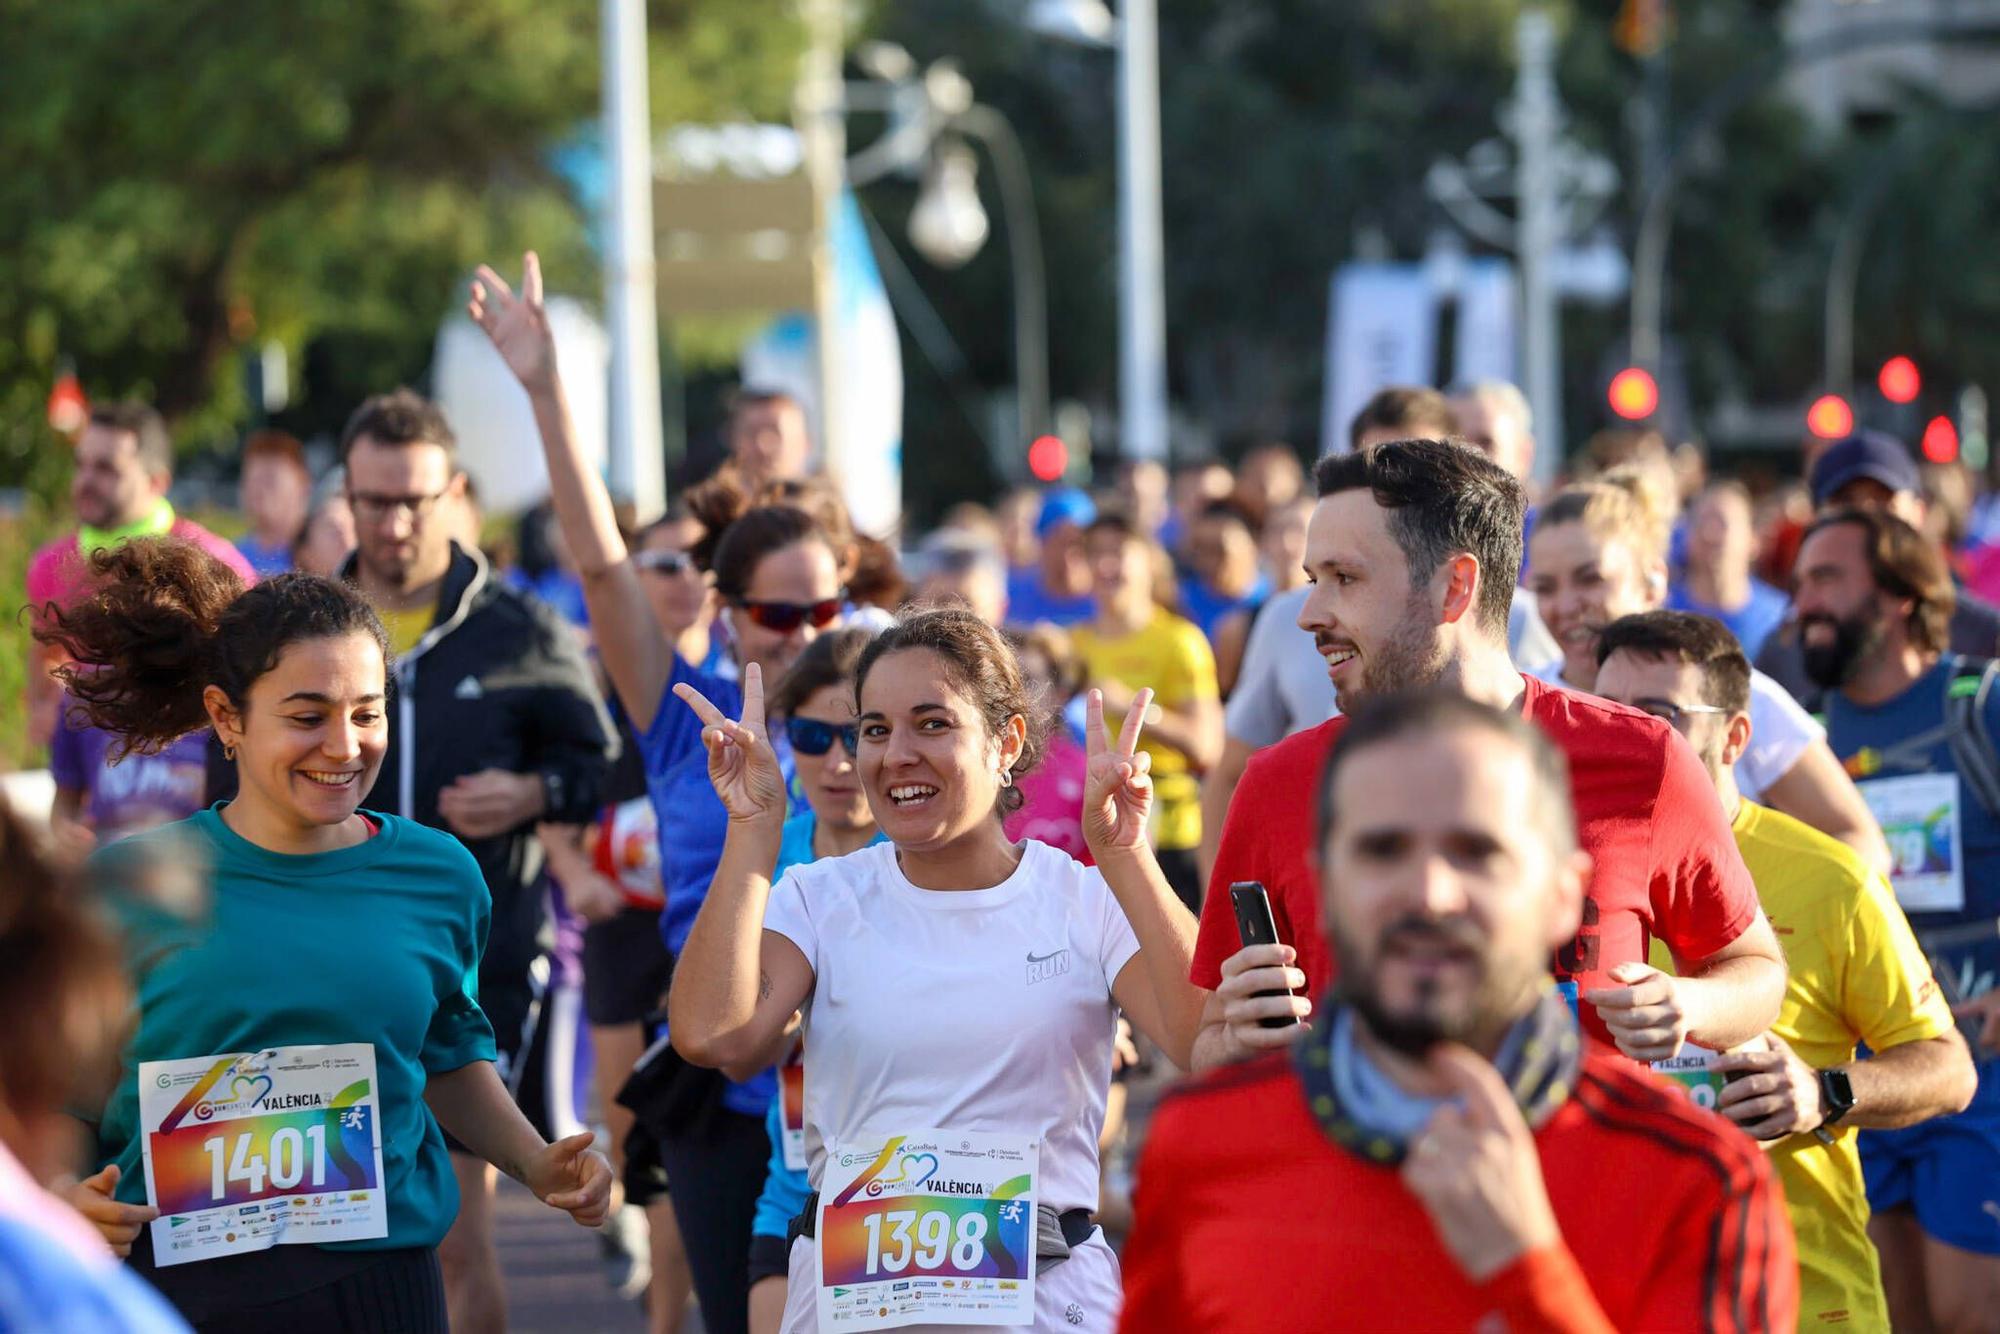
(664, 562)
(1671, 713)
(812, 737)
(375, 508)
(784, 617)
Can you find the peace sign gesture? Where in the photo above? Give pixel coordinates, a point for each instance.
(1118, 789)
(518, 326)
(741, 763)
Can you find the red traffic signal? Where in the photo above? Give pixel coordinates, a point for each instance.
(1941, 441)
(1634, 394)
(1048, 458)
(1899, 380)
(1830, 418)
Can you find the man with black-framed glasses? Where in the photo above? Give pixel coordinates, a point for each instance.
(1857, 976)
(495, 725)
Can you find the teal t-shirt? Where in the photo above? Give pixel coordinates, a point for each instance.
(377, 943)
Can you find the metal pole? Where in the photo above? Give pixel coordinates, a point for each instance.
(1843, 277)
(636, 456)
(824, 133)
(1538, 120)
(1142, 299)
(1024, 250)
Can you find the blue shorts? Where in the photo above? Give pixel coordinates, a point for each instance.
(1947, 1171)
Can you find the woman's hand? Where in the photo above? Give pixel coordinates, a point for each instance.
(117, 1223)
(519, 327)
(1118, 787)
(571, 1176)
(741, 764)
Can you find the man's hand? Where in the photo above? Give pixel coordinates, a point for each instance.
(118, 1223)
(1778, 1094)
(1252, 969)
(592, 897)
(571, 1176)
(1475, 1170)
(1646, 1013)
(1985, 1009)
(491, 802)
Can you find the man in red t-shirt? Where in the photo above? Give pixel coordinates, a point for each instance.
(1399, 551)
(1442, 1152)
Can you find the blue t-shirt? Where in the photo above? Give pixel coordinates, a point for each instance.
(1751, 623)
(785, 1188)
(44, 1287)
(376, 943)
(1852, 729)
(1028, 602)
(693, 822)
(265, 560)
(1206, 607)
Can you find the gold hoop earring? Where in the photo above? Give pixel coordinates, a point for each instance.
(229, 753)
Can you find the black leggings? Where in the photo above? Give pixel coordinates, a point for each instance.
(713, 1181)
(304, 1290)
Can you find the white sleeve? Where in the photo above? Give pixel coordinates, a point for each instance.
(785, 913)
(1256, 712)
(1780, 731)
(1116, 943)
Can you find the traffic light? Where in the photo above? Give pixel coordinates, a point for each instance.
(1830, 417)
(1048, 458)
(1941, 441)
(1899, 380)
(1634, 394)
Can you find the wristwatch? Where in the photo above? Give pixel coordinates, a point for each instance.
(1836, 1095)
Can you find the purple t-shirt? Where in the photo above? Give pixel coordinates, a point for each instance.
(139, 791)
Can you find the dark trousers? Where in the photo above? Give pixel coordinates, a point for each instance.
(1183, 873)
(304, 1290)
(713, 1181)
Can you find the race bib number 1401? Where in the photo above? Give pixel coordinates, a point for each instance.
(251, 1150)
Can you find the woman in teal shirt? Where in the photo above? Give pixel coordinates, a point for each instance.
(326, 939)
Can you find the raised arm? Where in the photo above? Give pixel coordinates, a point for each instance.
(736, 985)
(635, 650)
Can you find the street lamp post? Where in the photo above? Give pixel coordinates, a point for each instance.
(636, 454)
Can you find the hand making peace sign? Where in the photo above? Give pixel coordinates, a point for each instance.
(741, 763)
(1118, 789)
(518, 326)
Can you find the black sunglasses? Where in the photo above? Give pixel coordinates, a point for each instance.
(785, 617)
(812, 737)
(664, 562)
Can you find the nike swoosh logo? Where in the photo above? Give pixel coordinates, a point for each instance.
(1042, 958)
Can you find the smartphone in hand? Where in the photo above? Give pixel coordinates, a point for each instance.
(1256, 926)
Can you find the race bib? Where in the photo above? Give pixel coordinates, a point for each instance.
(1919, 818)
(792, 1108)
(932, 1227)
(277, 1147)
(1694, 1070)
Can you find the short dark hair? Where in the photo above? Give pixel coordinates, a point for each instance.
(400, 417)
(1684, 636)
(829, 660)
(1116, 522)
(1380, 719)
(1410, 411)
(1906, 564)
(154, 446)
(1443, 499)
(760, 396)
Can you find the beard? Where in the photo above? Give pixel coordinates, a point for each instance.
(1834, 664)
(1409, 658)
(1413, 1031)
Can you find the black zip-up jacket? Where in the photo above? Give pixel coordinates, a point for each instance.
(497, 682)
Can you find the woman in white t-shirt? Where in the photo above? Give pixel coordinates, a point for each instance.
(1598, 552)
(951, 980)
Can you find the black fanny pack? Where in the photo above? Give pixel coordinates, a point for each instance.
(671, 1098)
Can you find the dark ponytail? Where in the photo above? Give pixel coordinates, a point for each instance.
(164, 619)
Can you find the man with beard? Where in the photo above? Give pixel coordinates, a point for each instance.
(1915, 724)
(1411, 551)
(1443, 1151)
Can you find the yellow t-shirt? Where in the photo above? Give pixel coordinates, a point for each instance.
(1170, 655)
(405, 627)
(1857, 975)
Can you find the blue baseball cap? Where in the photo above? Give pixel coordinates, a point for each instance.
(1865, 454)
(1065, 504)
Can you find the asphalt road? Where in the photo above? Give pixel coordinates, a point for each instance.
(555, 1282)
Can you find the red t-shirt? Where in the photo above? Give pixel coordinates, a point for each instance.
(1664, 862)
(1248, 1218)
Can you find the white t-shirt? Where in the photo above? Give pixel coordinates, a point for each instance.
(984, 1009)
(1780, 730)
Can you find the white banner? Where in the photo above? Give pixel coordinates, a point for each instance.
(1485, 346)
(1382, 331)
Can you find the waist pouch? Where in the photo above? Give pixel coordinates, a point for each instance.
(1056, 1234)
(672, 1098)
